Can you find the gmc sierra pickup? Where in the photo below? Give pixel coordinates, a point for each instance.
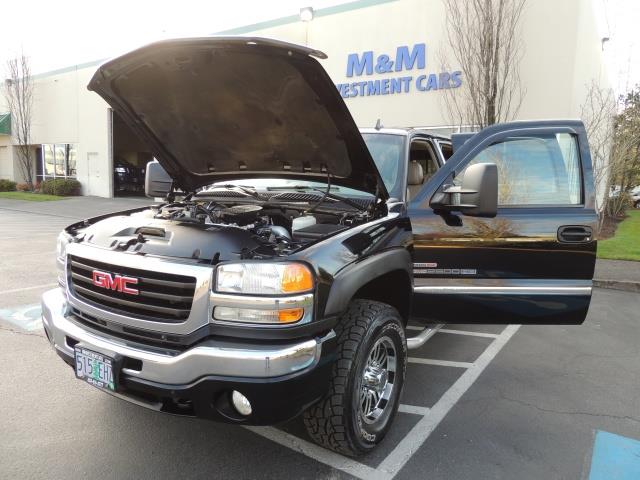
(278, 276)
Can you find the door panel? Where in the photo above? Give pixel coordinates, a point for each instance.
(527, 265)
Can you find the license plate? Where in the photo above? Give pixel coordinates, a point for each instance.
(95, 368)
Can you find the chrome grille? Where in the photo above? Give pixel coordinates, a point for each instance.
(162, 297)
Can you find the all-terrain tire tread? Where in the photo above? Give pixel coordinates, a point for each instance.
(325, 421)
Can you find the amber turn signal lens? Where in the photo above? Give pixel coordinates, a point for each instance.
(290, 315)
(296, 278)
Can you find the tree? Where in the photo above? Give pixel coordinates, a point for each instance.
(625, 153)
(485, 40)
(598, 113)
(19, 97)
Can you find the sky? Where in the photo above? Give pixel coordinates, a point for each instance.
(60, 33)
(620, 21)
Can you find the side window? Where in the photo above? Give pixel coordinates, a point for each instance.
(446, 149)
(422, 152)
(536, 170)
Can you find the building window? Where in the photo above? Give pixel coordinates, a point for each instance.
(58, 160)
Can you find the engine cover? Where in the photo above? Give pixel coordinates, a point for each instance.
(143, 234)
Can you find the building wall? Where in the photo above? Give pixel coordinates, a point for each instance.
(562, 52)
(6, 161)
(66, 112)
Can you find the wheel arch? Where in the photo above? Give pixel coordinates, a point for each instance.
(385, 277)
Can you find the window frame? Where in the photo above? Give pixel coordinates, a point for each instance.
(66, 147)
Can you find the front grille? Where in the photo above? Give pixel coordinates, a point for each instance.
(162, 297)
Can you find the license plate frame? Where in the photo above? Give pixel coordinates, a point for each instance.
(96, 369)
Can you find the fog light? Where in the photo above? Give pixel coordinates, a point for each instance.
(241, 403)
(250, 315)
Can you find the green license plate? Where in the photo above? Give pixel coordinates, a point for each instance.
(95, 368)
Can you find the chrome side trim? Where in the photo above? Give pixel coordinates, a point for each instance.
(489, 286)
(210, 357)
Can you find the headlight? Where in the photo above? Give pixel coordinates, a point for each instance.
(264, 278)
(61, 252)
(61, 244)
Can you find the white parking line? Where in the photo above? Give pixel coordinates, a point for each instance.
(440, 363)
(409, 445)
(394, 462)
(316, 452)
(52, 234)
(471, 334)
(413, 409)
(24, 289)
(415, 327)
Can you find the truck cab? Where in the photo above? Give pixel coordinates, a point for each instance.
(279, 273)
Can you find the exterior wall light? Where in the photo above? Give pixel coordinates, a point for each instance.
(306, 14)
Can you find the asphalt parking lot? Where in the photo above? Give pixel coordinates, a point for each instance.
(479, 402)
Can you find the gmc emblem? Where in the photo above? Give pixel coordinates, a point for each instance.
(119, 283)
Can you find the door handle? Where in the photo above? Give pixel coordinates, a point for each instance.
(575, 234)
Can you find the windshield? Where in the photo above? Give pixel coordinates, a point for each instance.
(387, 151)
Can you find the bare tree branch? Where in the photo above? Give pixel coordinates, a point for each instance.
(598, 112)
(485, 40)
(18, 90)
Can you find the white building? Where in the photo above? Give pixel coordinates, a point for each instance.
(76, 134)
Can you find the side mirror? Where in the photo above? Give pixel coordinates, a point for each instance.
(476, 197)
(157, 182)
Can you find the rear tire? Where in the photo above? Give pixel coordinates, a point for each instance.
(367, 380)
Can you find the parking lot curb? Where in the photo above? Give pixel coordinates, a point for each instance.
(627, 286)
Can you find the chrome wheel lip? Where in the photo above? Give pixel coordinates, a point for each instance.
(377, 381)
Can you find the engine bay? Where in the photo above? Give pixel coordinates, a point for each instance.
(282, 227)
(210, 231)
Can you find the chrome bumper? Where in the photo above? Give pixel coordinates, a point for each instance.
(210, 357)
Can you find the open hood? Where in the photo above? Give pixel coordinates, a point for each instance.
(217, 108)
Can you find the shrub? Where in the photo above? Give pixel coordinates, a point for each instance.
(617, 206)
(61, 186)
(7, 185)
(23, 187)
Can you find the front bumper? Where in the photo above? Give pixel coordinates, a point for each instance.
(280, 380)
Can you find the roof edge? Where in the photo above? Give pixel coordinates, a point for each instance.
(321, 12)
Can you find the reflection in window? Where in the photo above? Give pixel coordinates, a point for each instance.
(387, 152)
(540, 170)
(71, 160)
(60, 154)
(48, 159)
(59, 160)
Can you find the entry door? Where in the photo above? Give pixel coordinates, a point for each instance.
(531, 264)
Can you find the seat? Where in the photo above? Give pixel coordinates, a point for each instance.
(414, 180)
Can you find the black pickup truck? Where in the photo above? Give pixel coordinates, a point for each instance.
(278, 276)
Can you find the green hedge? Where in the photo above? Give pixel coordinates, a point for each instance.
(65, 187)
(7, 186)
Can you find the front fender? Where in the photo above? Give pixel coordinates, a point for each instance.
(353, 277)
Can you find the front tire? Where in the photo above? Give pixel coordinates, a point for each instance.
(367, 380)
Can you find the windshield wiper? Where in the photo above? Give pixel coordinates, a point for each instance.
(326, 194)
(251, 191)
(340, 198)
(299, 187)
